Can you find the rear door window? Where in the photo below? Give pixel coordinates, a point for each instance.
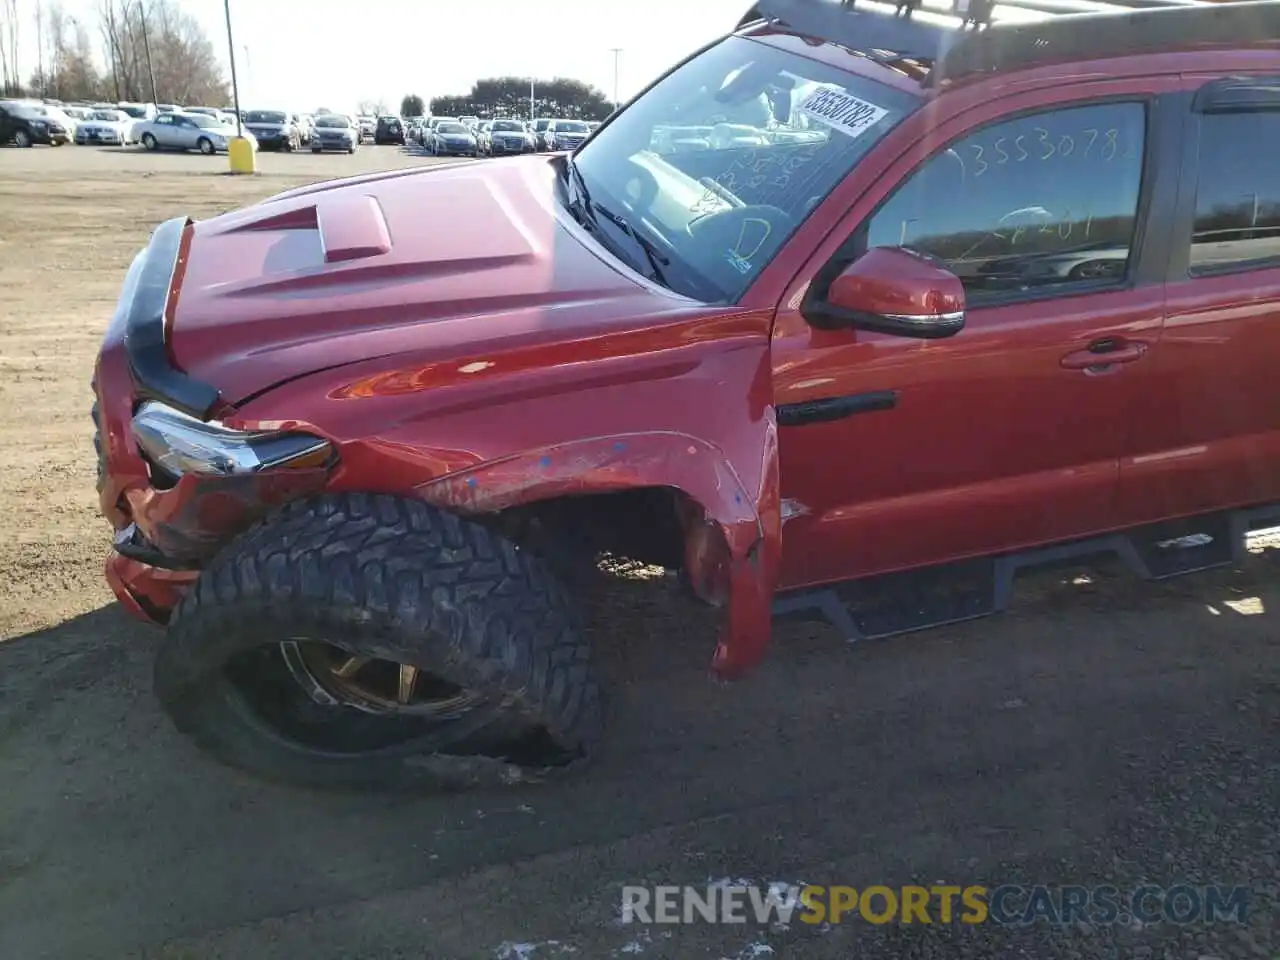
(1044, 202)
(1237, 224)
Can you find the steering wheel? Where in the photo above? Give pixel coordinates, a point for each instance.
(741, 232)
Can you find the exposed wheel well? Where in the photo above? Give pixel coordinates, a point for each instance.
(645, 524)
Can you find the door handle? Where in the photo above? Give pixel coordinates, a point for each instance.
(1105, 353)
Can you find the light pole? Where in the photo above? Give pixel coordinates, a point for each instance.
(239, 151)
(231, 51)
(617, 53)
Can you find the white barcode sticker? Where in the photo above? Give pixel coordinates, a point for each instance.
(840, 110)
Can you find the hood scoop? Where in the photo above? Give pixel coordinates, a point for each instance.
(351, 227)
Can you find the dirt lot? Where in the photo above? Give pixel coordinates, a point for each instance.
(1103, 732)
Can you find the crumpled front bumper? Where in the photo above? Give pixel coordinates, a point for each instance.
(165, 531)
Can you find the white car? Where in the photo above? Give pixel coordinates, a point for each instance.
(138, 113)
(189, 131)
(335, 132)
(107, 127)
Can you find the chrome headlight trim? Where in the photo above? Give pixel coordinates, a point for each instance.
(180, 444)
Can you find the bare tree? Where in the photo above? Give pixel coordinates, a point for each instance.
(13, 66)
(155, 49)
(40, 74)
(4, 49)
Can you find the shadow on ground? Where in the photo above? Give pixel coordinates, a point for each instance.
(1102, 732)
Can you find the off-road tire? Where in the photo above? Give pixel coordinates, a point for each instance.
(395, 579)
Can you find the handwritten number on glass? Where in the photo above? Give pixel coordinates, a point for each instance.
(1109, 145)
(983, 165)
(1042, 136)
(1101, 144)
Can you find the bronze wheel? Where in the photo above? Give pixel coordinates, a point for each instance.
(333, 677)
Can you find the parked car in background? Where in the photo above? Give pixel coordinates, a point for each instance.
(452, 138)
(190, 131)
(306, 125)
(168, 108)
(471, 122)
(367, 126)
(565, 134)
(106, 127)
(539, 128)
(429, 128)
(335, 132)
(77, 112)
(390, 130)
(507, 137)
(482, 135)
(273, 129)
(25, 124)
(138, 111)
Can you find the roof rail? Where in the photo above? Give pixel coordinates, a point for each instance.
(1025, 33)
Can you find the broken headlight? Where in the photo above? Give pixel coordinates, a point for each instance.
(180, 444)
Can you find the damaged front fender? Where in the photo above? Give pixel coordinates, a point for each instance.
(723, 457)
(736, 490)
(686, 406)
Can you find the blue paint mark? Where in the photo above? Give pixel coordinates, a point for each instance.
(737, 498)
(545, 461)
(471, 482)
(619, 445)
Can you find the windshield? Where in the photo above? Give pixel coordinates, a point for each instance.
(726, 156)
(265, 116)
(111, 116)
(200, 120)
(138, 113)
(507, 125)
(570, 126)
(451, 128)
(340, 122)
(26, 110)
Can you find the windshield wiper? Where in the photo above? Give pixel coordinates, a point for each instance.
(579, 196)
(655, 259)
(585, 210)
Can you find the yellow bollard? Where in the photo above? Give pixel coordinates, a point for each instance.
(241, 156)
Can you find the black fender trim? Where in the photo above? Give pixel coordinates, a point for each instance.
(144, 336)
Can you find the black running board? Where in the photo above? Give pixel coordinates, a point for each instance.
(897, 603)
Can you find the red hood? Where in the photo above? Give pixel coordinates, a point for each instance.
(457, 259)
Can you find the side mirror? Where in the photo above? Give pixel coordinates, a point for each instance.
(893, 290)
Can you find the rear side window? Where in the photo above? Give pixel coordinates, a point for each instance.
(1237, 222)
(1044, 202)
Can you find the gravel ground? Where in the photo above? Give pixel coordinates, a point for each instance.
(1103, 732)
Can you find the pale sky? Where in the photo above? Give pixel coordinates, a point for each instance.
(303, 54)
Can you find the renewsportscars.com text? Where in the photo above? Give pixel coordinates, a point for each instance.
(1007, 904)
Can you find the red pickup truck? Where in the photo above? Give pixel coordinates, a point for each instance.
(849, 313)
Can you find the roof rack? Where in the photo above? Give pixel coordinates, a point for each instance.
(1022, 33)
